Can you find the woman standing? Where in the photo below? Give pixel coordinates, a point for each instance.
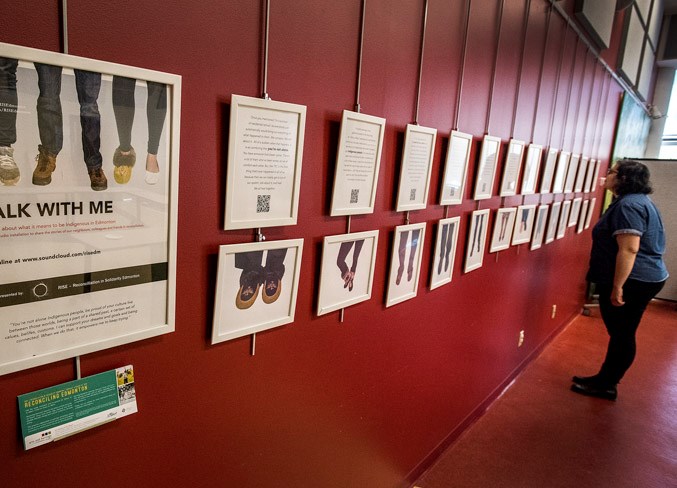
(626, 264)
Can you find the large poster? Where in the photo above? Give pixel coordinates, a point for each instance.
(89, 173)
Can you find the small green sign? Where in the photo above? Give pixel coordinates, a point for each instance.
(49, 414)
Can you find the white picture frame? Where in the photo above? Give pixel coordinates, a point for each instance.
(583, 217)
(561, 172)
(477, 237)
(595, 177)
(444, 253)
(504, 223)
(347, 270)
(452, 186)
(405, 263)
(553, 219)
(588, 185)
(539, 227)
(549, 170)
(574, 162)
(108, 262)
(575, 211)
(486, 168)
(256, 287)
(512, 168)
(417, 165)
(581, 174)
(358, 162)
(563, 219)
(524, 224)
(532, 165)
(265, 157)
(588, 215)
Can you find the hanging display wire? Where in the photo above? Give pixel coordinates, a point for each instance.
(357, 105)
(493, 71)
(265, 52)
(64, 45)
(556, 97)
(623, 84)
(525, 30)
(464, 50)
(601, 128)
(599, 103)
(420, 62)
(571, 81)
(579, 96)
(359, 56)
(539, 84)
(587, 115)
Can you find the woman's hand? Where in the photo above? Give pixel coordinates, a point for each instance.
(617, 296)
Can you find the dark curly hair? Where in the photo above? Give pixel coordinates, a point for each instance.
(632, 177)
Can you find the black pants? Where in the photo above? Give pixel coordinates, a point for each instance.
(621, 324)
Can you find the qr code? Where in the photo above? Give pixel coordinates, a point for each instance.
(354, 195)
(412, 194)
(262, 203)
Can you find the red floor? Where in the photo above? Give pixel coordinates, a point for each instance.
(540, 434)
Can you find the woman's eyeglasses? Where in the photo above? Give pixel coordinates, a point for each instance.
(612, 171)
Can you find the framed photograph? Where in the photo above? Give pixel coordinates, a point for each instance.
(265, 155)
(417, 165)
(575, 211)
(405, 264)
(503, 227)
(88, 238)
(563, 219)
(524, 224)
(595, 176)
(477, 237)
(531, 167)
(256, 287)
(549, 170)
(561, 172)
(583, 217)
(357, 164)
(539, 227)
(445, 252)
(589, 174)
(580, 176)
(347, 272)
(455, 168)
(588, 215)
(574, 162)
(486, 170)
(512, 168)
(555, 209)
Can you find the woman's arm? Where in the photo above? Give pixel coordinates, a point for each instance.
(628, 246)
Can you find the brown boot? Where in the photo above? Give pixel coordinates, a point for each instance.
(98, 179)
(42, 175)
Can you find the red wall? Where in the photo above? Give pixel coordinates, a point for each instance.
(367, 402)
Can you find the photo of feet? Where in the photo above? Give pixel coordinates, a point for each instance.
(445, 252)
(347, 272)
(405, 264)
(256, 287)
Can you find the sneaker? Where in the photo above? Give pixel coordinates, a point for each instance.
(9, 171)
(123, 164)
(98, 179)
(42, 175)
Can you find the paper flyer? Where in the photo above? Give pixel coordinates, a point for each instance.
(59, 411)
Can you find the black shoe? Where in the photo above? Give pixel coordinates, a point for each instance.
(585, 380)
(605, 392)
